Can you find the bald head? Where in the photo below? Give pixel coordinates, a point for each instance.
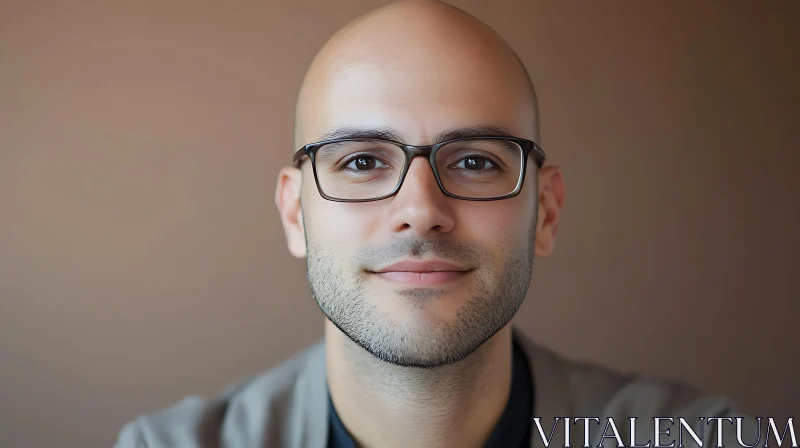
(413, 53)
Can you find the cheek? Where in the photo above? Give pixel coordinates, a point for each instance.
(499, 224)
(334, 223)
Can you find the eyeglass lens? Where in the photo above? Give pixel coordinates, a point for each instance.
(367, 169)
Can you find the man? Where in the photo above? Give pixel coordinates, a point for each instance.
(420, 263)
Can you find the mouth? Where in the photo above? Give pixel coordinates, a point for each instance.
(422, 273)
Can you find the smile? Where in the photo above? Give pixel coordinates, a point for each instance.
(421, 278)
(422, 273)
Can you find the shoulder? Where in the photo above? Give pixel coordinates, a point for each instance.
(605, 391)
(658, 409)
(588, 388)
(582, 390)
(254, 410)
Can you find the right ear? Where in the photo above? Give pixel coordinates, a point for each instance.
(287, 198)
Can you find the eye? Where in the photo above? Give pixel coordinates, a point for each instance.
(363, 162)
(475, 163)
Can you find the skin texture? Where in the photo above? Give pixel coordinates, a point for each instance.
(418, 365)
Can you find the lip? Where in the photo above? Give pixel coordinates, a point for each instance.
(422, 273)
(421, 267)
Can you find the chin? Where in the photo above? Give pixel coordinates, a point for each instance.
(424, 350)
(416, 353)
(414, 338)
(420, 309)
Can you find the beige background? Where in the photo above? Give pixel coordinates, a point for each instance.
(141, 255)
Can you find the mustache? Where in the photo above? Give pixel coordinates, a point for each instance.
(468, 254)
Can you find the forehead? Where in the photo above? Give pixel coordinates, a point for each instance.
(419, 97)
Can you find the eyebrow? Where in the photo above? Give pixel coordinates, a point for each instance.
(384, 133)
(366, 133)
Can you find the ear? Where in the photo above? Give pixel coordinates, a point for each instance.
(551, 200)
(287, 198)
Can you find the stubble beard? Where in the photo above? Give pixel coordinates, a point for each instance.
(495, 296)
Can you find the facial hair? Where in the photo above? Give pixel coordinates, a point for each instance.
(340, 289)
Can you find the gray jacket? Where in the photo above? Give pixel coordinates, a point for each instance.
(288, 407)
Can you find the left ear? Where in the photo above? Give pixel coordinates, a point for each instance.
(551, 200)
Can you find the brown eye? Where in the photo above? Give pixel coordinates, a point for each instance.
(365, 163)
(475, 163)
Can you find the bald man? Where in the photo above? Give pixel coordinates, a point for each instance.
(420, 198)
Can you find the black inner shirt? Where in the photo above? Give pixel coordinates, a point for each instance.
(512, 430)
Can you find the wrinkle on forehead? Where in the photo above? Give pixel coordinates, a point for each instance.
(410, 50)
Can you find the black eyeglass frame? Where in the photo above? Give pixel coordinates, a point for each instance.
(528, 147)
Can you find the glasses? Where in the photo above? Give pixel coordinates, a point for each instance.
(473, 168)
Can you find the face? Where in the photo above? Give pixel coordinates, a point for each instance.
(486, 248)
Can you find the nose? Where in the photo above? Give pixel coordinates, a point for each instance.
(420, 207)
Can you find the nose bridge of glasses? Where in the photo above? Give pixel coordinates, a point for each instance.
(422, 179)
(424, 151)
(418, 150)
(414, 151)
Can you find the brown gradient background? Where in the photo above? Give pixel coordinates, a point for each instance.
(142, 258)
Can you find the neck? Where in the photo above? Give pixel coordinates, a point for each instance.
(385, 405)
